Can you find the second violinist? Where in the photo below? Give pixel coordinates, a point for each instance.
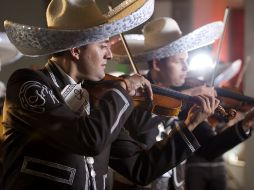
(166, 55)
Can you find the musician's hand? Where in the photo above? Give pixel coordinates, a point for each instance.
(200, 90)
(137, 85)
(199, 113)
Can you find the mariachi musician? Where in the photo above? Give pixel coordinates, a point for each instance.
(165, 50)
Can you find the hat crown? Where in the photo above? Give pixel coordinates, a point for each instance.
(84, 14)
(160, 32)
(73, 14)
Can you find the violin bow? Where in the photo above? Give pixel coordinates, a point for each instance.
(217, 57)
(134, 66)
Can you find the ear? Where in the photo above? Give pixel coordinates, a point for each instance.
(75, 52)
(156, 65)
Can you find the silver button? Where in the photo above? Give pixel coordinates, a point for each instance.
(90, 160)
(92, 173)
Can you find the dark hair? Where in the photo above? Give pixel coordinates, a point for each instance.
(61, 53)
(66, 52)
(150, 63)
(1, 105)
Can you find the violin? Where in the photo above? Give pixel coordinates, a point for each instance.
(233, 95)
(223, 92)
(166, 102)
(230, 100)
(161, 105)
(220, 112)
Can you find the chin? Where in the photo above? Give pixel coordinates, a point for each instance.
(102, 76)
(95, 77)
(182, 82)
(179, 84)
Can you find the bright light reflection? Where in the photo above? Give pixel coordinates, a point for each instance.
(116, 73)
(201, 62)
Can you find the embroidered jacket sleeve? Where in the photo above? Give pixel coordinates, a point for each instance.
(145, 128)
(35, 107)
(214, 145)
(143, 166)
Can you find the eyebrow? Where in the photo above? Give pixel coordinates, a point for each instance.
(106, 42)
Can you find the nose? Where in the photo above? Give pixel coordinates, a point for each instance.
(109, 54)
(185, 65)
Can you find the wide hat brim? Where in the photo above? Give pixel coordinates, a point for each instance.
(200, 37)
(8, 52)
(37, 41)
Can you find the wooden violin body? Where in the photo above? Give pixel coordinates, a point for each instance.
(162, 104)
(166, 102)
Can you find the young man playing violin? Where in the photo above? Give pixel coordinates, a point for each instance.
(166, 54)
(56, 136)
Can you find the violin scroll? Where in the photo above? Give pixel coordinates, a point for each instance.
(226, 116)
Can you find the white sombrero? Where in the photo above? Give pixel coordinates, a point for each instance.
(8, 52)
(72, 23)
(162, 38)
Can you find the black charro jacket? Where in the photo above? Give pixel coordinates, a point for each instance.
(47, 146)
(214, 144)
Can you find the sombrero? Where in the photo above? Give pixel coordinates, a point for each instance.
(8, 52)
(162, 38)
(72, 23)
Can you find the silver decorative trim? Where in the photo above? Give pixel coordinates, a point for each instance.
(200, 37)
(26, 170)
(33, 96)
(89, 163)
(218, 164)
(87, 184)
(184, 137)
(122, 110)
(118, 8)
(104, 180)
(177, 183)
(51, 74)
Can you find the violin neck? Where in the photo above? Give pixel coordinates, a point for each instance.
(172, 93)
(229, 94)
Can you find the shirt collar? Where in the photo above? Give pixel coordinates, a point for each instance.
(66, 76)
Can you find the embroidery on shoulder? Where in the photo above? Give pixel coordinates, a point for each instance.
(34, 96)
